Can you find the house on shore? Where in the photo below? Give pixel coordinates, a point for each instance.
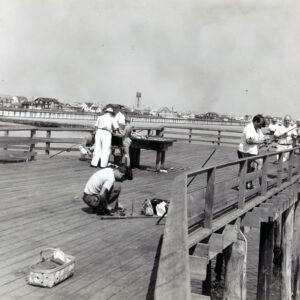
(12, 101)
(165, 112)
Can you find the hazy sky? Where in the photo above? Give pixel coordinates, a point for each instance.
(240, 57)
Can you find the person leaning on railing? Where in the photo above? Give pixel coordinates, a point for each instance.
(286, 136)
(252, 137)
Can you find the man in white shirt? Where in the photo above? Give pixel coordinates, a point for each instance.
(125, 132)
(273, 126)
(105, 125)
(103, 188)
(285, 135)
(252, 136)
(120, 117)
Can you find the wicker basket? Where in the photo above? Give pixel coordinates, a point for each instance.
(54, 267)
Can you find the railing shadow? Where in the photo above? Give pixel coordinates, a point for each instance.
(151, 287)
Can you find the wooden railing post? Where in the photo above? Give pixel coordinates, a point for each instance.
(242, 185)
(291, 164)
(47, 148)
(219, 137)
(32, 146)
(209, 197)
(264, 175)
(190, 135)
(279, 169)
(6, 134)
(298, 162)
(173, 276)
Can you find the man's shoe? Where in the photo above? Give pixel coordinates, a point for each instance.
(105, 212)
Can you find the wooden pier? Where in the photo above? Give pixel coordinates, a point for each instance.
(135, 258)
(41, 206)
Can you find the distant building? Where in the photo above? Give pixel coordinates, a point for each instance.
(211, 116)
(73, 108)
(46, 103)
(86, 106)
(154, 112)
(7, 101)
(90, 107)
(165, 112)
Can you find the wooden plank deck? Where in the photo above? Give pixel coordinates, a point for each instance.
(41, 206)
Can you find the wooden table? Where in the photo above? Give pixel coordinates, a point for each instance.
(158, 144)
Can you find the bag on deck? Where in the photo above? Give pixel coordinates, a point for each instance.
(147, 208)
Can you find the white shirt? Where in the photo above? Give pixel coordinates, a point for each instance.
(273, 127)
(107, 122)
(120, 118)
(249, 132)
(290, 130)
(102, 178)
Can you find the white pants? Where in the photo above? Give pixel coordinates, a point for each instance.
(284, 147)
(102, 148)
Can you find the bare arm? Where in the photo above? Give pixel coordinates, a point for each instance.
(104, 197)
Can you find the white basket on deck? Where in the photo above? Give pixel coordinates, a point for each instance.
(54, 267)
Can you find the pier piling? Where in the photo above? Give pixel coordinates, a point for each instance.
(235, 272)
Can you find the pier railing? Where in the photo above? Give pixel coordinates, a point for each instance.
(207, 206)
(59, 138)
(200, 134)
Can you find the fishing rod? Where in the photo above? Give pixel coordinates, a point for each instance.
(65, 150)
(274, 138)
(203, 165)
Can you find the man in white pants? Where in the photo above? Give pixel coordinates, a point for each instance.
(285, 134)
(105, 125)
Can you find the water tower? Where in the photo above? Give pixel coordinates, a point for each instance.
(138, 99)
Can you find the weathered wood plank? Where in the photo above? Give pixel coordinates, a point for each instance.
(198, 267)
(175, 256)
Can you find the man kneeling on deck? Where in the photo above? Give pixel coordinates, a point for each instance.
(102, 190)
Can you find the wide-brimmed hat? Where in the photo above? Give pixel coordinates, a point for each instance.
(109, 109)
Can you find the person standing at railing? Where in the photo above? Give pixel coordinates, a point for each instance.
(252, 137)
(125, 132)
(286, 136)
(120, 117)
(126, 139)
(105, 125)
(273, 126)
